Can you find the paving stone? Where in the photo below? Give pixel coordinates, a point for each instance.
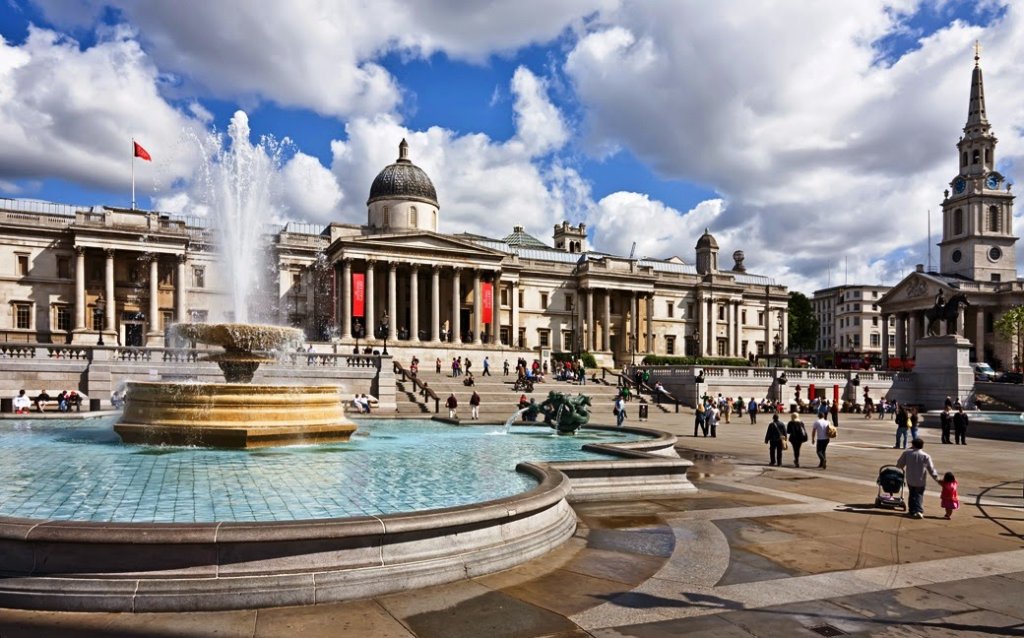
(654, 541)
(994, 593)
(700, 627)
(356, 619)
(494, 615)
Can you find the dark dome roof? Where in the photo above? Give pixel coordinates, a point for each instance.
(707, 241)
(403, 180)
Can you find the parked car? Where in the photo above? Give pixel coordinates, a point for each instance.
(1011, 377)
(984, 372)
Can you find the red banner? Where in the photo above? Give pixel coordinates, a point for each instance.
(358, 294)
(487, 303)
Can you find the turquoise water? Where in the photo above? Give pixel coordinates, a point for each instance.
(1005, 418)
(80, 471)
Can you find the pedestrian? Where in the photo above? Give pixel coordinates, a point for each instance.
(797, 436)
(728, 409)
(752, 410)
(620, 412)
(711, 416)
(698, 419)
(474, 406)
(820, 437)
(504, 368)
(487, 367)
(960, 426)
(950, 499)
(469, 364)
(946, 422)
(834, 411)
(915, 421)
(437, 364)
(917, 464)
(881, 408)
(949, 402)
(453, 406)
(774, 437)
(902, 420)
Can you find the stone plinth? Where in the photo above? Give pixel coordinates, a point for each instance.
(232, 414)
(942, 368)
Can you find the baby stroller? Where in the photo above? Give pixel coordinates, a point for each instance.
(890, 488)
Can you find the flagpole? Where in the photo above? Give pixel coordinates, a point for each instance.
(929, 246)
(133, 173)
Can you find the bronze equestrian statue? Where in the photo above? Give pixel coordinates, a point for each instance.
(948, 311)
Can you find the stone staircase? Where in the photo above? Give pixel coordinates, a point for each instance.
(497, 398)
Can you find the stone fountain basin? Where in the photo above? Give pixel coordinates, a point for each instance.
(240, 337)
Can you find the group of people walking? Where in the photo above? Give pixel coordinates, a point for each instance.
(793, 435)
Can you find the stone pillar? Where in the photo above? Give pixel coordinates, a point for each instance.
(700, 325)
(496, 308)
(591, 343)
(154, 300)
(960, 320)
(711, 329)
(79, 288)
(478, 307)
(885, 341)
(414, 303)
(634, 326)
(912, 334)
(346, 298)
(393, 300)
(369, 309)
(785, 330)
(979, 334)
(514, 328)
(901, 335)
(180, 280)
(606, 329)
(435, 304)
(108, 293)
(456, 305)
(650, 323)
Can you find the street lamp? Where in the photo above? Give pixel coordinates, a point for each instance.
(357, 331)
(632, 350)
(384, 330)
(101, 307)
(778, 349)
(696, 342)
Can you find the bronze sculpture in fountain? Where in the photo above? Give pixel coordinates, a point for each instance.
(238, 413)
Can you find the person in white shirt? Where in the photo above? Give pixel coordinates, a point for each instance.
(917, 465)
(22, 403)
(819, 435)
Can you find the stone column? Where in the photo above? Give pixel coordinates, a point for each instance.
(456, 305)
(979, 334)
(346, 298)
(368, 307)
(901, 335)
(606, 329)
(478, 306)
(108, 288)
(700, 324)
(912, 335)
(634, 326)
(650, 323)
(179, 290)
(79, 288)
(435, 304)
(591, 343)
(496, 308)
(414, 303)
(885, 341)
(785, 330)
(154, 299)
(514, 327)
(393, 300)
(711, 328)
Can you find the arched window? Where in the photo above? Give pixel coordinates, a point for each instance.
(988, 156)
(385, 216)
(975, 156)
(993, 219)
(413, 217)
(958, 221)
(963, 160)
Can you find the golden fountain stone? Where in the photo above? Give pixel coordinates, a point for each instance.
(238, 413)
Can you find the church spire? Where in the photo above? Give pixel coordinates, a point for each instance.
(976, 116)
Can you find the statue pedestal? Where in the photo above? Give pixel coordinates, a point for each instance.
(942, 368)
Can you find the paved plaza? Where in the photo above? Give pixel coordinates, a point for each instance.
(758, 551)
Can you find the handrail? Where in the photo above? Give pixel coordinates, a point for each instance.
(638, 386)
(418, 385)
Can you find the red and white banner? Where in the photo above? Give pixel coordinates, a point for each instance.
(487, 303)
(358, 294)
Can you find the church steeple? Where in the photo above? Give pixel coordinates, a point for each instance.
(976, 117)
(978, 145)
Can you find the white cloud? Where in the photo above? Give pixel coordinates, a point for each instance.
(659, 231)
(309, 189)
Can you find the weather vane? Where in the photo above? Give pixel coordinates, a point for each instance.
(977, 51)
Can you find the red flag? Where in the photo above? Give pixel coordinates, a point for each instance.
(141, 153)
(358, 293)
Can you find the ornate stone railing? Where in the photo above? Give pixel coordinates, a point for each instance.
(11, 351)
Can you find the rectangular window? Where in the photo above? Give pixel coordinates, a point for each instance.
(569, 301)
(743, 317)
(669, 309)
(856, 321)
(543, 301)
(296, 282)
(504, 297)
(198, 276)
(64, 268)
(760, 348)
(745, 349)
(567, 337)
(876, 340)
(62, 318)
(165, 274)
(503, 335)
(996, 277)
(22, 316)
(670, 344)
(522, 338)
(760, 319)
(892, 341)
(544, 337)
(874, 322)
(612, 306)
(521, 299)
(721, 313)
(722, 347)
(22, 265)
(689, 310)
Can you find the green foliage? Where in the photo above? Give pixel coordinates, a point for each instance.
(588, 359)
(657, 360)
(803, 325)
(1010, 326)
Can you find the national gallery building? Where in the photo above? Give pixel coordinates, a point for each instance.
(83, 275)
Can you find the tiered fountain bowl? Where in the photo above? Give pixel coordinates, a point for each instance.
(236, 414)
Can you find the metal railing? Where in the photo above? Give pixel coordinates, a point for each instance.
(419, 387)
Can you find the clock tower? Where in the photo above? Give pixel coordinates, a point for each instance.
(977, 213)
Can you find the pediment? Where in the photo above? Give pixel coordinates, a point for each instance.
(421, 243)
(916, 289)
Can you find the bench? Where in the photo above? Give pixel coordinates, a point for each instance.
(51, 401)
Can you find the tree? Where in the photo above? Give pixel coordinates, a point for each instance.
(1010, 326)
(803, 325)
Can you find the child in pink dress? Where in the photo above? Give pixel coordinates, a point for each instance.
(950, 500)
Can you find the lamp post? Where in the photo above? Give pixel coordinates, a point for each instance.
(101, 311)
(632, 350)
(778, 349)
(357, 331)
(384, 323)
(696, 342)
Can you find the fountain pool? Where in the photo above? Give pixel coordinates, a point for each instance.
(80, 471)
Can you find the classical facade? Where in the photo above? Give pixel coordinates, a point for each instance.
(978, 249)
(850, 325)
(76, 275)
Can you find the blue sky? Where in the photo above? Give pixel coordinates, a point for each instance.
(647, 120)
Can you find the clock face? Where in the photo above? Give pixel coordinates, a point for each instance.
(995, 253)
(957, 256)
(992, 182)
(959, 184)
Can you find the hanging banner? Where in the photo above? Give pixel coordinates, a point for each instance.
(487, 303)
(358, 294)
